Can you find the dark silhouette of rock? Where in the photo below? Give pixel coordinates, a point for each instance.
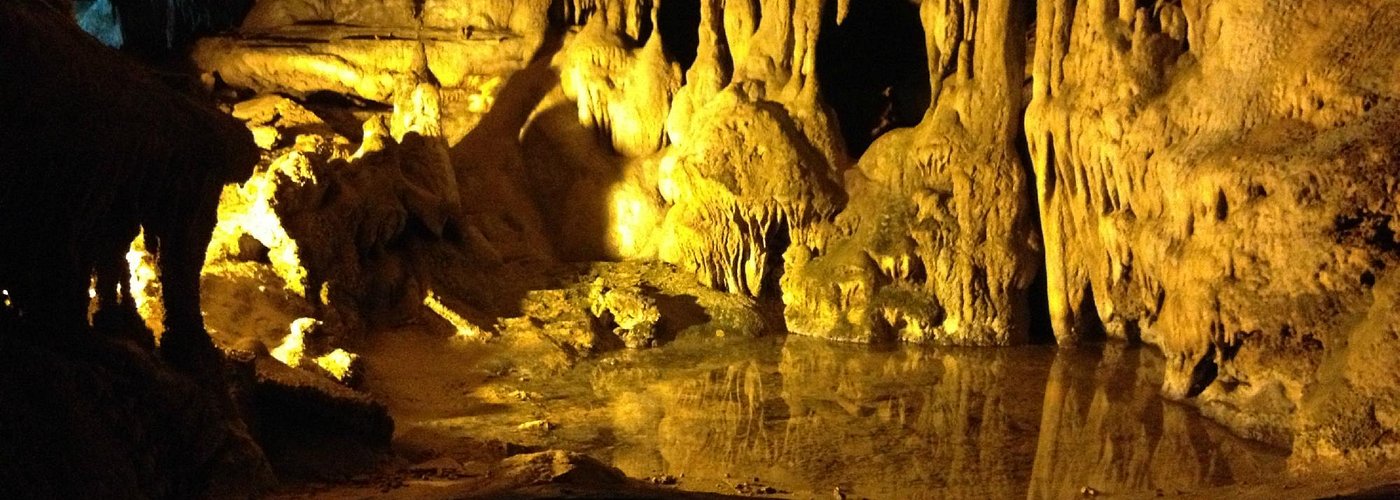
(94, 149)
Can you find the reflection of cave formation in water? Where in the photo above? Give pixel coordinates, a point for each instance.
(1106, 427)
(1218, 185)
(935, 423)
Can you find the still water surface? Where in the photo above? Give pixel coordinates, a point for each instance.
(808, 416)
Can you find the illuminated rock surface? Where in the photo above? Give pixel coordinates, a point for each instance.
(1216, 179)
(1172, 216)
(938, 243)
(531, 225)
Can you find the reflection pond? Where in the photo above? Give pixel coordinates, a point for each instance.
(809, 416)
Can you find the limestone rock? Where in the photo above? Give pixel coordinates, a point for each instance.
(622, 92)
(155, 161)
(756, 168)
(111, 420)
(1216, 178)
(364, 62)
(551, 467)
(332, 429)
(633, 313)
(327, 216)
(744, 185)
(938, 243)
(279, 118)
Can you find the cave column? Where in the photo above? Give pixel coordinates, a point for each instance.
(1053, 22)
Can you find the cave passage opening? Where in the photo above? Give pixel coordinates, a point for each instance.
(873, 69)
(678, 22)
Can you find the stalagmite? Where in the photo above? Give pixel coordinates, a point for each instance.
(650, 228)
(937, 244)
(1215, 180)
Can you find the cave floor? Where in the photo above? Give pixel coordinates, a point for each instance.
(788, 416)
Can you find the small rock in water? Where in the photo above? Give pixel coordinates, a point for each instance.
(524, 396)
(537, 425)
(436, 466)
(663, 480)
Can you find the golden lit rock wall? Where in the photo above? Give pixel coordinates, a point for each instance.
(755, 164)
(1218, 178)
(1215, 178)
(938, 243)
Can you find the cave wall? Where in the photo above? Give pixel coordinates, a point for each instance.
(93, 148)
(938, 243)
(1217, 178)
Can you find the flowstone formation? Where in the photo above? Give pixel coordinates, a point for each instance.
(753, 170)
(1217, 178)
(938, 243)
(718, 176)
(1213, 177)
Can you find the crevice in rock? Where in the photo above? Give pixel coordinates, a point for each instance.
(1088, 324)
(1041, 330)
(678, 22)
(776, 244)
(1203, 373)
(873, 69)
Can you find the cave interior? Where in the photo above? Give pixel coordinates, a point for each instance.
(423, 249)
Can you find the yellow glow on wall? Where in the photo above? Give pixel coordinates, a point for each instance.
(246, 208)
(144, 285)
(633, 218)
(465, 329)
(666, 183)
(485, 97)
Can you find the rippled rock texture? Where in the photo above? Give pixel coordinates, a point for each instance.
(1212, 177)
(938, 243)
(1218, 179)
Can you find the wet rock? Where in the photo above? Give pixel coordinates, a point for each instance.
(553, 467)
(442, 467)
(1230, 212)
(663, 480)
(541, 426)
(633, 316)
(314, 427)
(938, 242)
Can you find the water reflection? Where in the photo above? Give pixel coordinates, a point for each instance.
(808, 416)
(1103, 427)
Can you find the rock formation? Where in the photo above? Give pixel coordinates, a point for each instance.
(98, 150)
(754, 166)
(1216, 178)
(157, 162)
(938, 243)
(95, 149)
